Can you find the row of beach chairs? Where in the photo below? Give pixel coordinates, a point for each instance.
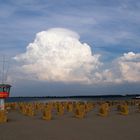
(78, 109)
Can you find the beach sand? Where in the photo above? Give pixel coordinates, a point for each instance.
(92, 127)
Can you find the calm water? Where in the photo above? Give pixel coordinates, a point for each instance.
(28, 99)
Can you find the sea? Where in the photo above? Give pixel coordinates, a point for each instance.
(62, 99)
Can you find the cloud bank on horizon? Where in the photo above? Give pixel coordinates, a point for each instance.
(58, 55)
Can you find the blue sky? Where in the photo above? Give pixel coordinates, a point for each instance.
(110, 27)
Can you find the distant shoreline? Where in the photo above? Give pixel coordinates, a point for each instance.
(79, 96)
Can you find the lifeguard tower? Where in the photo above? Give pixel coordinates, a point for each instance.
(4, 93)
(4, 88)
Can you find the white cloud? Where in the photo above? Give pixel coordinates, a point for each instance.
(129, 65)
(123, 69)
(58, 55)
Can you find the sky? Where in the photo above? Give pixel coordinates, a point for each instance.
(66, 47)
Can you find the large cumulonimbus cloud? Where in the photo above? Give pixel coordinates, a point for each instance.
(58, 55)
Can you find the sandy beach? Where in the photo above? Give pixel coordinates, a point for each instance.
(67, 127)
